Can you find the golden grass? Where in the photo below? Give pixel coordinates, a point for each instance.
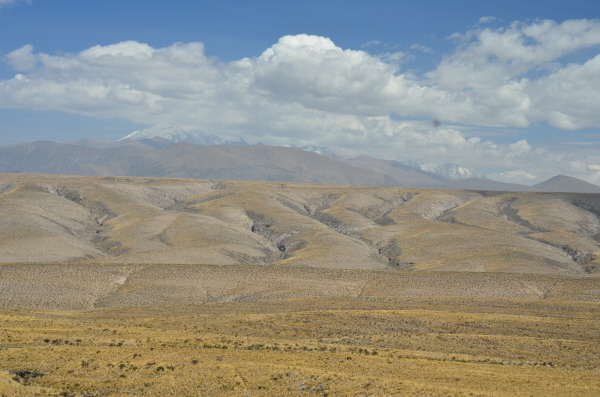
(433, 347)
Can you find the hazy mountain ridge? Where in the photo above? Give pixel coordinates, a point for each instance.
(484, 184)
(154, 152)
(322, 150)
(564, 183)
(57, 158)
(408, 174)
(185, 160)
(237, 162)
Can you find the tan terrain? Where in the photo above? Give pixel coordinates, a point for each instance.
(148, 286)
(57, 219)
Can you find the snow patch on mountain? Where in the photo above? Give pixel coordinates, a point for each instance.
(175, 134)
(322, 150)
(451, 171)
(412, 164)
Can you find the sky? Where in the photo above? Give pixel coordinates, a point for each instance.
(509, 89)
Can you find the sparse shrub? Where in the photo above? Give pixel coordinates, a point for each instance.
(28, 374)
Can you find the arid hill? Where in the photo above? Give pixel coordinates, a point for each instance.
(179, 221)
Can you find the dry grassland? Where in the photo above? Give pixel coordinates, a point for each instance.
(306, 347)
(279, 331)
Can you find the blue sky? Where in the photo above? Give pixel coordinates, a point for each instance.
(514, 83)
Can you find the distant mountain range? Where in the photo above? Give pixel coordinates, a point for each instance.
(167, 133)
(325, 151)
(164, 134)
(167, 150)
(186, 160)
(411, 175)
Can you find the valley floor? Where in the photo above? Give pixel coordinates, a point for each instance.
(386, 334)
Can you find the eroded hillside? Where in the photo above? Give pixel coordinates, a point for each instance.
(178, 221)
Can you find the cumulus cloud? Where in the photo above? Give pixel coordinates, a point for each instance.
(515, 176)
(491, 57)
(22, 59)
(308, 90)
(492, 67)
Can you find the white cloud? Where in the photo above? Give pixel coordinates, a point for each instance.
(520, 148)
(492, 57)
(568, 98)
(517, 176)
(13, 2)
(395, 57)
(371, 43)
(22, 59)
(487, 19)
(422, 48)
(308, 90)
(314, 72)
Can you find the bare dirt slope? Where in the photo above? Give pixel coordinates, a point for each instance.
(46, 219)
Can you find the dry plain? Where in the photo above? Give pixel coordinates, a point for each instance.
(148, 286)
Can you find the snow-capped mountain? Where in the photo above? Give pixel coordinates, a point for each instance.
(451, 171)
(322, 150)
(175, 134)
(411, 164)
